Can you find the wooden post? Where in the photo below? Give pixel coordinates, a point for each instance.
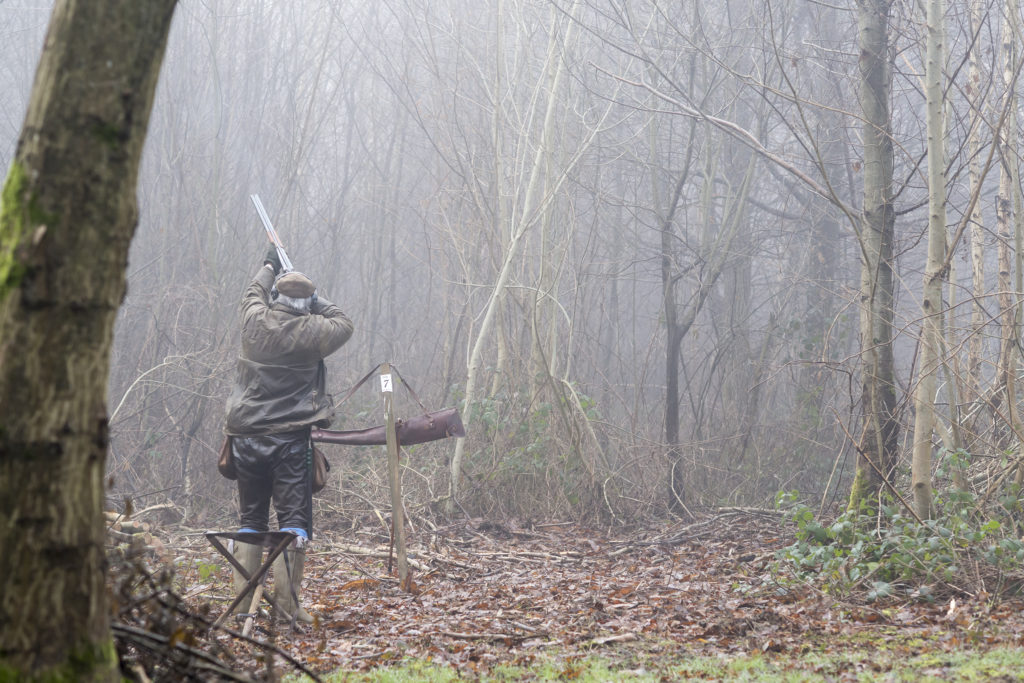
(394, 476)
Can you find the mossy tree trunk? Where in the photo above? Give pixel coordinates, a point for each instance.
(67, 218)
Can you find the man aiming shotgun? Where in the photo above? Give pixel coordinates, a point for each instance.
(288, 330)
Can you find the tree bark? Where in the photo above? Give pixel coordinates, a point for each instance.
(68, 215)
(878, 395)
(1006, 144)
(931, 337)
(976, 98)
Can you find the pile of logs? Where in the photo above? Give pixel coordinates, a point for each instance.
(127, 536)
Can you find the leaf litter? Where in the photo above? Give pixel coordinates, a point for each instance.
(485, 594)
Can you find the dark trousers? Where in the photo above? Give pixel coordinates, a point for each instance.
(274, 467)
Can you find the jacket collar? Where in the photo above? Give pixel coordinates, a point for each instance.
(287, 309)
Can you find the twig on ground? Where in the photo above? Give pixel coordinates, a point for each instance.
(155, 642)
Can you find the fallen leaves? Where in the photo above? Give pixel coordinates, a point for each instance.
(360, 584)
(488, 594)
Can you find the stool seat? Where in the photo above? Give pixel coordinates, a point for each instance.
(267, 539)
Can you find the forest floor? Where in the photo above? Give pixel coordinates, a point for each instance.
(500, 601)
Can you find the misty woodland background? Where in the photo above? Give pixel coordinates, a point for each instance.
(540, 211)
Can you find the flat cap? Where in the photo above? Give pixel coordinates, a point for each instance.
(296, 285)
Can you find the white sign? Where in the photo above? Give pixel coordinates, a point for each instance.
(385, 384)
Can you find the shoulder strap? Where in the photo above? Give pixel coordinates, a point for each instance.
(411, 392)
(360, 383)
(367, 376)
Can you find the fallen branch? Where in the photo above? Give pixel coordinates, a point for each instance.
(604, 640)
(763, 512)
(687, 533)
(159, 506)
(178, 607)
(499, 637)
(366, 552)
(155, 642)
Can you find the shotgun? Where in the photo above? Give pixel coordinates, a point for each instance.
(286, 264)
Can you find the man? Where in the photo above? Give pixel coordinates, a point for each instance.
(287, 332)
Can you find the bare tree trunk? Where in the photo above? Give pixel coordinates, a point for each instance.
(674, 337)
(69, 213)
(1005, 142)
(531, 213)
(931, 337)
(1011, 57)
(878, 395)
(717, 247)
(974, 345)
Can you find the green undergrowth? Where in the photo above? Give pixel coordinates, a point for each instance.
(889, 553)
(868, 663)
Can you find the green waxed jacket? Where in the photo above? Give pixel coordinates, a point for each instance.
(281, 382)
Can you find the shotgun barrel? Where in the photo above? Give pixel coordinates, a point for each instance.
(286, 264)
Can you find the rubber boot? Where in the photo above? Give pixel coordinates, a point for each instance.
(249, 556)
(288, 569)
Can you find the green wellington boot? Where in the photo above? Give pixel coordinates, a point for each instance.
(249, 556)
(288, 569)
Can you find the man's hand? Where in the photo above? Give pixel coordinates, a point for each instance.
(272, 259)
(321, 306)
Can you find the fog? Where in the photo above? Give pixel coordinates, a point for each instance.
(525, 207)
